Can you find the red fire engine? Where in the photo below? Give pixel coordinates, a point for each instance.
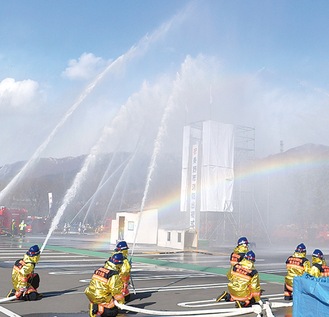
(37, 224)
(8, 215)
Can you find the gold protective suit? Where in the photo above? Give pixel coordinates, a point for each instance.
(23, 271)
(105, 286)
(124, 272)
(236, 256)
(319, 267)
(296, 265)
(244, 282)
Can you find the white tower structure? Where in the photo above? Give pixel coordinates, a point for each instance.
(207, 169)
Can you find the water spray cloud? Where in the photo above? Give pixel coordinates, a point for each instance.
(115, 66)
(157, 147)
(134, 51)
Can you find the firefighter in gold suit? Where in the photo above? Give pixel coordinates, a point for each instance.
(125, 269)
(244, 285)
(319, 266)
(25, 280)
(297, 264)
(105, 287)
(236, 256)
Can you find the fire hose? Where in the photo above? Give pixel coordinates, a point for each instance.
(6, 311)
(257, 309)
(7, 299)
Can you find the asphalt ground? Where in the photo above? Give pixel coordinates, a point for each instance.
(165, 280)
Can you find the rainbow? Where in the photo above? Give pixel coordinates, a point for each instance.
(294, 161)
(278, 164)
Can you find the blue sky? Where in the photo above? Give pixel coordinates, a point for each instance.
(263, 64)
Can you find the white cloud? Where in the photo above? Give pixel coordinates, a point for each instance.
(87, 66)
(17, 94)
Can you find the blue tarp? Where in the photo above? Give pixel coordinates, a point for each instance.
(311, 296)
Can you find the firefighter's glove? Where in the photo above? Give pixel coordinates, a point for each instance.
(20, 292)
(119, 298)
(95, 309)
(125, 290)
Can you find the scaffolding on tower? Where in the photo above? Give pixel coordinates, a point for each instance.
(204, 156)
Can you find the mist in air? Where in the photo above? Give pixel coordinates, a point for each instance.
(130, 109)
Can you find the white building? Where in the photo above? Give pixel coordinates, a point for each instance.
(145, 224)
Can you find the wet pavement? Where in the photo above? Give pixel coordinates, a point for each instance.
(165, 280)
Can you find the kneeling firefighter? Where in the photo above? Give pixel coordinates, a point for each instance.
(297, 264)
(122, 247)
(25, 281)
(244, 285)
(104, 287)
(319, 266)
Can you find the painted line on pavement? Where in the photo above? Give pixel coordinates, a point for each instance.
(7, 312)
(212, 302)
(173, 288)
(217, 270)
(48, 257)
(77, 272)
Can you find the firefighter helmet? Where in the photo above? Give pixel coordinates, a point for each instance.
(300, 248)
(250, 255)
(117, 258)
(243, 240)
(318, 254)
(33, 251)
(122, 245)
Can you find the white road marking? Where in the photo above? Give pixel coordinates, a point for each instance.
(183, 288)
(54, 260)
(212, 302)
(63, 264)
(172, 288)
(74, 272)
(273, 271)
(167, 276)
(203, 303)
(8, 312)
(46, 266)
(47, 257)
(180, 288)
(10, 251)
